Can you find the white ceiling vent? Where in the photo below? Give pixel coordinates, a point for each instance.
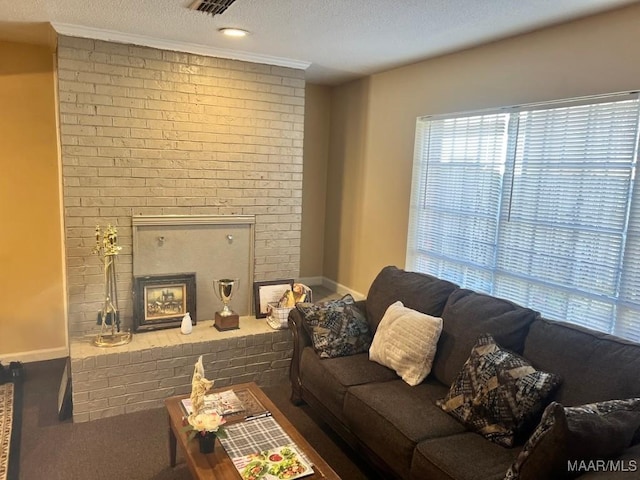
(213, 7)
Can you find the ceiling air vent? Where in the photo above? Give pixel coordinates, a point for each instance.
(213, 7)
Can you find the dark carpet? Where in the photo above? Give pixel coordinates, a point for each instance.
(135, 446)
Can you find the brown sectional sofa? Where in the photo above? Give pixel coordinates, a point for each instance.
(400, 430)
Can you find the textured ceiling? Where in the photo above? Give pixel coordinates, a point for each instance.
(339, 39)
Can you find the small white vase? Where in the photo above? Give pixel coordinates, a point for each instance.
(186, 327)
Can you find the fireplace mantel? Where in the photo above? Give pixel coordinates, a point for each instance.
(193, 220)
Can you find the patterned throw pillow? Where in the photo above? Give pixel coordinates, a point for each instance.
(406, 342)
(568, 438)
(337, 328)
(497, 393)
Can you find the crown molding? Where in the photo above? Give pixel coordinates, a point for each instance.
(176, 46)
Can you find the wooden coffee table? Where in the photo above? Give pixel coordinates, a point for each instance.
(218, 465)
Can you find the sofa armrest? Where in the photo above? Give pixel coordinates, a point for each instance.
(301, 339)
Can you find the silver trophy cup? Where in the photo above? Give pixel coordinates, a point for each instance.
(224, 289)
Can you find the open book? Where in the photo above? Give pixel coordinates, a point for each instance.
(223, 403)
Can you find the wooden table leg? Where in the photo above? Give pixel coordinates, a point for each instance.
(172, 447)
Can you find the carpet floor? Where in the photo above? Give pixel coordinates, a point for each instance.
(134, 446)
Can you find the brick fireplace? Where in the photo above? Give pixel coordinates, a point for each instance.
(155, 132)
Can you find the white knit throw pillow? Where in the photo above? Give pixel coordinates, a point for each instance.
(406, 341)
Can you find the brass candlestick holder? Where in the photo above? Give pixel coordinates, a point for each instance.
(109, 316)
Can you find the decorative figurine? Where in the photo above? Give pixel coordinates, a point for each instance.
(199, 387)
(187, 325)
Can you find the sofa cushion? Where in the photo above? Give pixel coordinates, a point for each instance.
(328, 379)
(337, 327)
(418, 291)
(466, 456)
(466, 316)
(405, 341)
(596, 431)
(497, 393)
(392, 417)
(594, 366)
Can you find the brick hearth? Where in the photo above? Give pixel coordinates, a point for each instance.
(159, 364)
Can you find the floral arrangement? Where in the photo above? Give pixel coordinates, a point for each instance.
(204, 423)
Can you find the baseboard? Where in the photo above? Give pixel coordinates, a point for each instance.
(310, 281)
(341, 289)
(35, 355)
(331, 285)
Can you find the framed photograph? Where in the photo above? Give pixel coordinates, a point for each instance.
(269, 292)
(160, 301)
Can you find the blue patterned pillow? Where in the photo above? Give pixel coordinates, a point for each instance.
(498, 394)
(337, 327)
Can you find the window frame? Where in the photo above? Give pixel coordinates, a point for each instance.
(420, 179)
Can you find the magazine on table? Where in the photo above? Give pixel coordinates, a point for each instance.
(223, 403)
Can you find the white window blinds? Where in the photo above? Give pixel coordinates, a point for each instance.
(537, 205)
(457, 190)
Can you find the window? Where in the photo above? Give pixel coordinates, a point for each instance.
(538, 204)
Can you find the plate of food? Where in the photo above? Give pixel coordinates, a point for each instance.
(283, 463)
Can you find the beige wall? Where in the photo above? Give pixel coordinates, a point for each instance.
(373, 123)
(345, 188)
(316, 153)
(31, 276)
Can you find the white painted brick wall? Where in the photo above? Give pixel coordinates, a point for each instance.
(153, 132)
(160, 364)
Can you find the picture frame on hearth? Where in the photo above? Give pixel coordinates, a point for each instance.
(270, 291)
(161, 301)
